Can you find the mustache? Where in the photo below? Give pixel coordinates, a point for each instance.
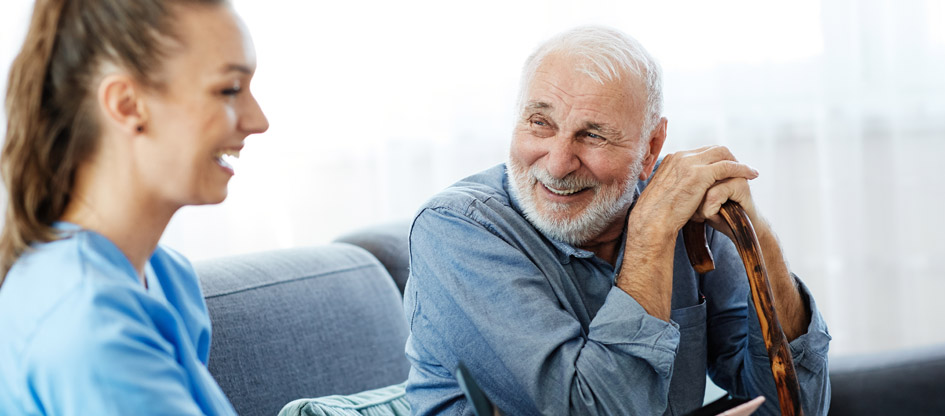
(571, 181)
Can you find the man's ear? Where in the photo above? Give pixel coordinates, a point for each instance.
(655, 142)
(121, 101)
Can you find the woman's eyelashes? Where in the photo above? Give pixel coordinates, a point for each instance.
(231, 91)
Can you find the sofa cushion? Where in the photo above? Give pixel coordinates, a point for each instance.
(901, 382)
(387, 401)
(387, 242)
(303, 322)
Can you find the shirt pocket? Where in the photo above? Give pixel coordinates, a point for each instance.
(687, 387)
(690, 316)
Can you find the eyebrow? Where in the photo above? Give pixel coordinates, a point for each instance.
(238, 68)
(603, 128)
(538, 105)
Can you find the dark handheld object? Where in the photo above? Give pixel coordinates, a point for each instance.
(480, 403)
(779, 353)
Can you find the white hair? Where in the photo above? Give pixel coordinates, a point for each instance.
(607, 54)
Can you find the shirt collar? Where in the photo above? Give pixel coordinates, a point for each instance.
(567, 251)
(107, 248)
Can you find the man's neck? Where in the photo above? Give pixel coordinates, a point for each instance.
(608, 243)
(609, 251)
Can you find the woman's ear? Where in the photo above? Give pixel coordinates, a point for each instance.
(121, 101)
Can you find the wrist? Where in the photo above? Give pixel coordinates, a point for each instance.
(651, 230)
(649, 249)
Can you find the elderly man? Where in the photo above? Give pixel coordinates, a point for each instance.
(561, 280)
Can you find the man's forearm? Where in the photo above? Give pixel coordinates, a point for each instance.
(792, 313)
(647, 270)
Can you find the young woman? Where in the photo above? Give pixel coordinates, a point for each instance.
(119, 113)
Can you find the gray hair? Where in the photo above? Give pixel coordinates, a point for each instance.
(607, 55)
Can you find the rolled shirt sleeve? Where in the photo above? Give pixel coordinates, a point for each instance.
(544, 331)
(738, 358)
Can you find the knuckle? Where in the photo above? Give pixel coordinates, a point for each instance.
(714, 196)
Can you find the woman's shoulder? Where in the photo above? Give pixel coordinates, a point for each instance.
(43, 274)
(68, 303)
(78, 257)
(62, 283)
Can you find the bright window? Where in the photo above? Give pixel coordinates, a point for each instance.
(375, 105)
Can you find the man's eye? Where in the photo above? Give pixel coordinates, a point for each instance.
(539, 123)
(594, 136)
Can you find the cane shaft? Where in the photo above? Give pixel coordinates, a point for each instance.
(779, 353)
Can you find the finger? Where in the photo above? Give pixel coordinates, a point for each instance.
(727, 169)
(700, 155)
(715, 221)
(711, 154)
(735, 189)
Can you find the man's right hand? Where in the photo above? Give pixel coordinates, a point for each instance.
(684, 180)
(677, 193)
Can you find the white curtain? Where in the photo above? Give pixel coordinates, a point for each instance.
(375, 106)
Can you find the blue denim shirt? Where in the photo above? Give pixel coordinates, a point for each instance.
(542, 327)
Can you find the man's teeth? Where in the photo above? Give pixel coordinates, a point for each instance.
(563, 192)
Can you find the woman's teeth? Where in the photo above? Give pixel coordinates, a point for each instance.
(227, 158)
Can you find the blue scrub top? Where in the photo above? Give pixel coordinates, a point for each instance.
(80, 335)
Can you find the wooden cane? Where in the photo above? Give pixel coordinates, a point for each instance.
(779, 353)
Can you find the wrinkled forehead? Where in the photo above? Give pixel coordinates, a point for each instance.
(567, 77)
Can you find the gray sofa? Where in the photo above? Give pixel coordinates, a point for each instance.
(328, 320)
(303, 322)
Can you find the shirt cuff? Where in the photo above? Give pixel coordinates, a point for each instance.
(808, 350)
(623, 324)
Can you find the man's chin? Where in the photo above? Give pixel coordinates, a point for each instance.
(564, 229)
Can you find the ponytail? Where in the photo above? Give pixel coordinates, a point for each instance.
(23, 163)
(51, 107)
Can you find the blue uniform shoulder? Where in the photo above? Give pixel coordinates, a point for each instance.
(56, 290)
(49, 271)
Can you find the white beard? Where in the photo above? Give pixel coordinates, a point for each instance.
(608, 204)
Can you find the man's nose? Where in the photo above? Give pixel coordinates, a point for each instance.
(562, 157)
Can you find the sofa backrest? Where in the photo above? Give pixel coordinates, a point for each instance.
(303, 322)
(387, 242)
